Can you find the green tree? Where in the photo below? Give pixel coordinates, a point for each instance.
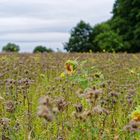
(109, 42)
(98, 29)
(11, 47)
(126, 22)
(80, 39)
(42, 49)
(105, 39)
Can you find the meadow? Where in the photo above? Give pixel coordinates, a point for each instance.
(76, 96)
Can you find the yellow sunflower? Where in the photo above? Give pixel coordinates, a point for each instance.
(135, 115)
(70, 66)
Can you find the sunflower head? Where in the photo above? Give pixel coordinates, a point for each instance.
(135, 115)
(71, 66)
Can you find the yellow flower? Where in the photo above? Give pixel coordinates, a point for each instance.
(135, 115)
(71, 66)
(62, 75)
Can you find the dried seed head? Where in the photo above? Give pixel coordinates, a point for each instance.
(5, 122)
(114, 101)
(131, 92)
(79, 91)
(93, 93)
(133, 126)
(5, 137)
(79, 108)
(87, 113)
(75, 114)
(45, 113)
(89, 94)
(97, 93)
(46, 100)
(100, 110)
(17, 126)
(103, 102)
(55, 110)
(130, 101)
(102, 85)
(60, 138)
(10, 106)
(114, 94)
(62, 104)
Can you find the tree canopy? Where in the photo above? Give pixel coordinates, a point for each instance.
(105, 39)
(11, 47)
(80, 40)
(42, 49)
(126, 22)
(120, 34)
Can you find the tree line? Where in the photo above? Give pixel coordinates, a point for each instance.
(11, 47)
(121, 33)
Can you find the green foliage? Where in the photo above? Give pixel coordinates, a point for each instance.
(80, 40)
(38, 104)
(82, 75)
(11, 47)
(42, 49)
(109, 42)
(125, 21)
(123, 28)
(100, 28)
(105, 39)
(97, 29)
(99, 38)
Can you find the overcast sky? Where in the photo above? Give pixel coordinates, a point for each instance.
(47, 22)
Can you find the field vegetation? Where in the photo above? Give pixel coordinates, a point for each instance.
(60, 96)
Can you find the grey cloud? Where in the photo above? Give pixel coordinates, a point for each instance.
(50, 37)
(23, 25)
(54, 8)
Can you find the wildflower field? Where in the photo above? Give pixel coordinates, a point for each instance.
(74, 96)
